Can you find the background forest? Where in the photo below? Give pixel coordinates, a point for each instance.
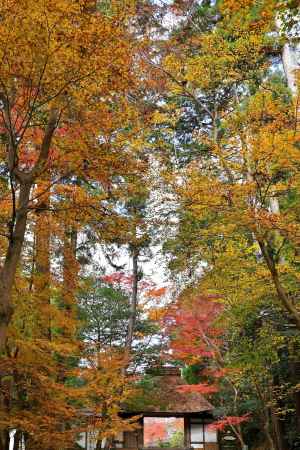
(149, 214)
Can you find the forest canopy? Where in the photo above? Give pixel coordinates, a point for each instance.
(149, 218)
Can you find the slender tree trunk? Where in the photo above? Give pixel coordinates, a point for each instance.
(42, 259)
(237, 431)
(70, 267)
(282, 295)
(269, 438)
(132, 319)
(134, 301)
(277, 428)
(291, 64)
(265, 418)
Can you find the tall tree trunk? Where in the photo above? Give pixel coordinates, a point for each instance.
(132, 321)
(291, 64)
(9, 268)
(42, 259)
(70, 267)
(134, 301)
(277, 431)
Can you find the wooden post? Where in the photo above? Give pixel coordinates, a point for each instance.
(187, 432)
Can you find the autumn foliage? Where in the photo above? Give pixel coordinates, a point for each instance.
(139, 137)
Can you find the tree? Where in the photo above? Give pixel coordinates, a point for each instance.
(56, 66)
(63, 98)
(196, 340)
(231, 120)
(105, 308)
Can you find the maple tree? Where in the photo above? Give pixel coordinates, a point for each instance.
(232, 356)
(163, 432)
(63, 97)
(196, 340)
(56, 65)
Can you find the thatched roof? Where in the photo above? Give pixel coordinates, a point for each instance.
(163, 397)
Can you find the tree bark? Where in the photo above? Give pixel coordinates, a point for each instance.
(134, 301)
(42, 258)
(291, 65)
(277, 431)
(8, 271)
(70, 266)
(281, 293)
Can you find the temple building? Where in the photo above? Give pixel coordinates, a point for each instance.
(167, 418)
(170, 419)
